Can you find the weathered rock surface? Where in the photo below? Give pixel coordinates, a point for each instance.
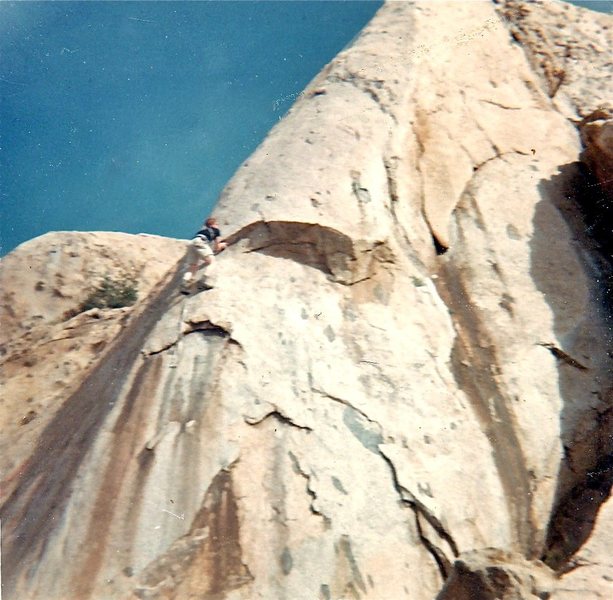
(569, 49)
(400, 384)
(490, 574)
(597, 137)
(47, 341)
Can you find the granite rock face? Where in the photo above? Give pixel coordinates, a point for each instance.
(400, 383)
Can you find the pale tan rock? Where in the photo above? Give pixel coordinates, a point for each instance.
(347, 413)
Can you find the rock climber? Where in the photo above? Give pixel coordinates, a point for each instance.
(204, 245)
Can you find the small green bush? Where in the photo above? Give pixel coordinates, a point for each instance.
(112, 293)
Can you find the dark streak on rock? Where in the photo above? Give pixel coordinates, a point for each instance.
(210, 555)
(113, 477)
(220, 515)
(345, 547)
(473, 346)
(338, 484)
(286, 561)
(37, 504)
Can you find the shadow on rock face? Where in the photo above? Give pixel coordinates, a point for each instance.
(578, 281)
(313, 245)
(343, 259)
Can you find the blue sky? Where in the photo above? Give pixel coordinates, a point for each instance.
(132, 116)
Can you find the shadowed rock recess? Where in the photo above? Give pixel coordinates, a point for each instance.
(400, 385)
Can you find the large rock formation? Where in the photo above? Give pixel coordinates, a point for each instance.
(400, 385)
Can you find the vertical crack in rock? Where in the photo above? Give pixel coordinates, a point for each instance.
(310, 491)
(420, 129)
(360, 192)
(442, 562)
(209, 556)
(37, 504)
(390, 168)
(408, 499)
(478, 381)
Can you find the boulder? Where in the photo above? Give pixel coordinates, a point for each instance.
(490, 574)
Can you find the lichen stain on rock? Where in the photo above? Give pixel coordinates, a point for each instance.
(368, 434)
